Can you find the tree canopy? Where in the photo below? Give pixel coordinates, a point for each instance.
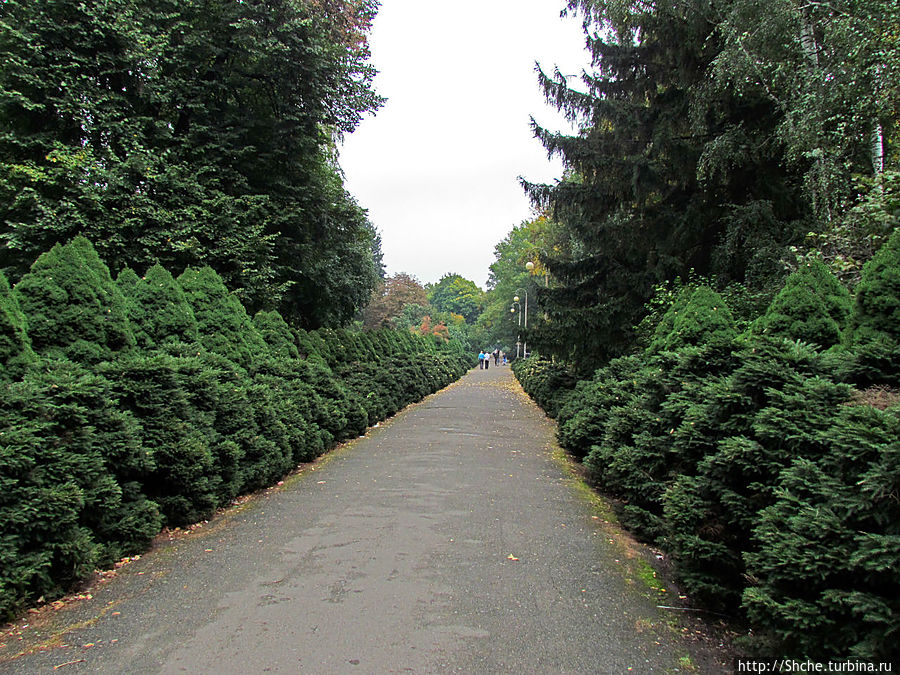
(191, 134)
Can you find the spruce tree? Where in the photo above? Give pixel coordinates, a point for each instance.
(666, 174)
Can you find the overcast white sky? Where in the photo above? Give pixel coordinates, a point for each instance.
(437, 167)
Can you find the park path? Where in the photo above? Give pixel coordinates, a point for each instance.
(448, 539)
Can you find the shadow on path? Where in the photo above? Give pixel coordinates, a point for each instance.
(448, 539)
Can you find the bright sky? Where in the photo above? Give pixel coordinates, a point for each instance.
(437, 167)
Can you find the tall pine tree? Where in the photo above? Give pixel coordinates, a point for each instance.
(648, 194)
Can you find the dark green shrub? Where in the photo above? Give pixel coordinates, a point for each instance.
(583, 417)
(875, 319)
(826, 560)
(698, 316)
(223, 323)
(747, 428)
(185, 482)
(69, 496)
(16, 354)
(275, 332)
(812, 307)
(158, 308)
(547, 381)
(634, 411)
(72, 306)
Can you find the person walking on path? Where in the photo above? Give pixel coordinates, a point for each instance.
(481, 360)
(497, 356)
(487, 360)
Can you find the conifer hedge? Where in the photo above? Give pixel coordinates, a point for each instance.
(146, 402)
(757, 460)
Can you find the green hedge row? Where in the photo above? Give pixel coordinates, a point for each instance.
(767, 463)
(133, 404)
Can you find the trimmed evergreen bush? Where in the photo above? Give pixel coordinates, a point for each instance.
(72, 306)
(547, 381)
(157, 308)
(16, 354)
(812, 307)
(826, 560)
(70, 495)
(875, 319)
(223, 323)
(749, 427)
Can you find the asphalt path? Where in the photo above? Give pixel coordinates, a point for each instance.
(450, 538)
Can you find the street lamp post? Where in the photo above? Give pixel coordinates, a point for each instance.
(516, 300)
(519, 334)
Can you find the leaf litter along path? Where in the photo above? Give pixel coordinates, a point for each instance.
(448, 539)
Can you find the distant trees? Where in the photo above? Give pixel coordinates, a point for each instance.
(400, 295)
(456, 295)
(191, 134)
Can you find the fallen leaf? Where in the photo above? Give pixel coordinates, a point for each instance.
(511, 557)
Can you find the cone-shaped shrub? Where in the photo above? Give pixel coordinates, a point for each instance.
(277, 335)
(875, 320)
(158, 309)
(747, 428)
(827, 555)
(72, 306)
(222, 321)
(812, 307)
(705, 318)
(15, 346)
(186, 480)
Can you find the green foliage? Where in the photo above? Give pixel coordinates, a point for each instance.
(150, 387)
(277, 335)
(827, 557)
(71, 464)
(15, 346)
(698, 316)
(190, 134)
(666, 173)
(158, 309)
(548, 381)
(812, 307)
(456, 295)
(222, 322)
(72, 306)
(874, 331)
